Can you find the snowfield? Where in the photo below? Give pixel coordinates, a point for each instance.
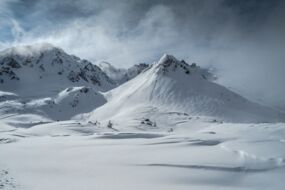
(220, 156)
(67, 124)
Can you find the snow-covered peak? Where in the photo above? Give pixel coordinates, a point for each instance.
(107, 66)
(36, 52)
(31, 50)
(44, 67)
(170, 66)
(166, 58)
(169, 61)
(121, 75)
(116, 74)
(173, 86)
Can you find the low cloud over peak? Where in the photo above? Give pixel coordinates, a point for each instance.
(243, 39)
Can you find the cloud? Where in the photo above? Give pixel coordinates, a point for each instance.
(17, 31)
(242, 39)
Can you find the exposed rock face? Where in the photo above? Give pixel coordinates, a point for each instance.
(33, 66)
(169, 63)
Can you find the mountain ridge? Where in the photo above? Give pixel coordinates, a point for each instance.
(48, 66)
(121, 75)
(46, 81)
(170, 85)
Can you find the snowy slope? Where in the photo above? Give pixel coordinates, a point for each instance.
(155, 131)
(43, 69)
(122, 75)
(69, 102)
(171, 87)
(63, 106)
(41, 83)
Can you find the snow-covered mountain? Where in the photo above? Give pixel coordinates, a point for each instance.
(56, 108)
(43, 69)
(45, 81)
(172, 91)
(122, 75)
(42, 83)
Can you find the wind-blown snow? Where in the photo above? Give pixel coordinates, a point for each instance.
(172, 86)
(28, 71)
(72, 156)
(122, 75)
(64, 125)
(44, 81)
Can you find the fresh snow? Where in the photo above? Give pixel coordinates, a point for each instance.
(167, 125)
(173, 89)
(29, 72)
(220, 156)
(44, 81)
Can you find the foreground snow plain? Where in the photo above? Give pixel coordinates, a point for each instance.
(68, 155)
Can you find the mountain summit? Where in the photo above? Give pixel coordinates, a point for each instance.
(172, 86)
(169, 64)
(43, 68)
(44, 80)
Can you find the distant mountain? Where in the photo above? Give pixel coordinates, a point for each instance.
(43, 69)
(43, 81)
(122, 75)
(172, 87)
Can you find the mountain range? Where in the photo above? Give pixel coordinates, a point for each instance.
(66, 123)
(42, 83)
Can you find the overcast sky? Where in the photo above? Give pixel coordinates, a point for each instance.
(242, 39)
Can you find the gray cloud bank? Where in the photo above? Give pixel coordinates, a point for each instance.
(243, 39)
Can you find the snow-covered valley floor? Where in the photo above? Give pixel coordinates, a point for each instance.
(218, 156)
